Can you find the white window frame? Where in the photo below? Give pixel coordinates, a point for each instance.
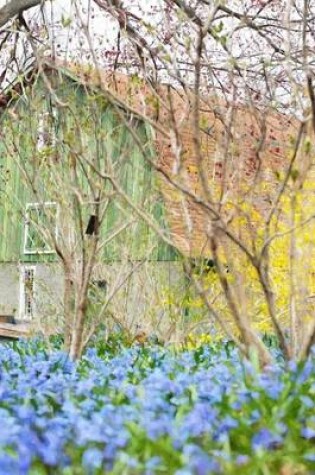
(48, 204)
(23, 311)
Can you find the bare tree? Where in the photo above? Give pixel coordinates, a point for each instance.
(15, 8)
(233, 127)
(237, 121)
(69, 156)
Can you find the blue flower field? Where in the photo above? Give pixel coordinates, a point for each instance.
(153, 410)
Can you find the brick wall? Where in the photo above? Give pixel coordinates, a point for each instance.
(242, 149)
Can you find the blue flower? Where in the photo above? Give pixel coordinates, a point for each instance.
(92, 459)
(242, 459)
(309, 457)
(55, 412)
(308, 433)
(266, 439)
(199, 461)
(9, 465)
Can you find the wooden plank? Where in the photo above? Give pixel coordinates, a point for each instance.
(7, 319)
(9, 330)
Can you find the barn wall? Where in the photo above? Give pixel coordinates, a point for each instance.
(100, 135)
(18, 144)
(141, 302)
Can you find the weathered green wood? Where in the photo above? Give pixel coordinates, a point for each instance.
(92, 128)
(19, 129)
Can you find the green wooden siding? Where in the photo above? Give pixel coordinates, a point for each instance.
(89, 129)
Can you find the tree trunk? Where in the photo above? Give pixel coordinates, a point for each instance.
(16, 7)
(68, 309)
(77, 331)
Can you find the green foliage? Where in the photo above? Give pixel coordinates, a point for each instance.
(113, 345)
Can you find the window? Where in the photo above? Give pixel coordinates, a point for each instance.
(40, 228)
(27, 292)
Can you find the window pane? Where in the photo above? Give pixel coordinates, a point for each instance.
(40, 226)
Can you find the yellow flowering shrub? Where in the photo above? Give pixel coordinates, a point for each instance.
(292, 228)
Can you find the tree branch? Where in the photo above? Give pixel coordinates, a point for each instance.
(16, 7)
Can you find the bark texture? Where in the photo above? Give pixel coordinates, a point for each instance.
(15, 7)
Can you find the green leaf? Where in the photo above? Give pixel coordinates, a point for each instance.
(66, 21)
